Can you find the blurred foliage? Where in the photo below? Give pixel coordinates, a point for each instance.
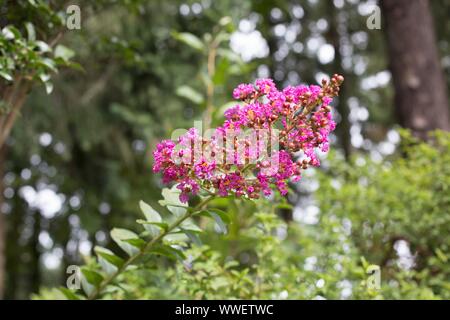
(404, 201)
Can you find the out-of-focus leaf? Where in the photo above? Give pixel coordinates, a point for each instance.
(151, 216)
(172, 201)
(43, 47)
(10, 33)
(168, 251)
(210, 212)
(63, 52)
(6, 75)
(69, 294)
(193, 237)
(93, 277)
(191, 40)
(31, 32)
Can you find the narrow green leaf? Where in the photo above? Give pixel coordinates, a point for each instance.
(93, 277)
(169, 252)
(193, 237)
(190, 94)
(87, 287)
(10, 33)
(219, 222)
(48, 87)
(210, 212)
(190, 39)
(64, 53)
(45, 79)
(230, 55)
(172, 201)
(152, 216)
(31, 32)
(191, 226)
(48, 63)
(107, 260)
(120, 235)
(176, 237)
(43, 47)
(5, 75)
(137, 243)
(161, 225)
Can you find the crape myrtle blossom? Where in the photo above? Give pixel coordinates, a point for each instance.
(252, 153)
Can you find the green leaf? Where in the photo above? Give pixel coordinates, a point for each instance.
(161, 225)
(172, 201)
(43, 47)
(219, 217)
(44, 77)
(285, 206)
(191, 226)
(138, 243)
(120, 235)
(219, 222)
(176, 237)
(190, 94)
(229, 54)
(218, 282)
(6, 76)
(11, 33)
(48, 63)
(191, 40)
(93, 277)
(210, 212)
(48, 87)
(169, 252)
(226, 20)
(64, 53)
(193, 237)
(69, 294)
(109, 262)
(31, 32)
(152, 216)
(441, 255)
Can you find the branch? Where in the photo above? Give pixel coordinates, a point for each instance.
(146, 249)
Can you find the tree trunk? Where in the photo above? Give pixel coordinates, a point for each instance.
(2, 228)
(421, 98)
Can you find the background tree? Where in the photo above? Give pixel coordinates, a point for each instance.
(421, 94)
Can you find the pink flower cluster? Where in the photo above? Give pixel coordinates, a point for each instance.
(253, 151)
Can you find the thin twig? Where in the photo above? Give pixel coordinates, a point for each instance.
(17, 104)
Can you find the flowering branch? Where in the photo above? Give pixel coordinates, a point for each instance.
(147, 248)
(243, 157)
